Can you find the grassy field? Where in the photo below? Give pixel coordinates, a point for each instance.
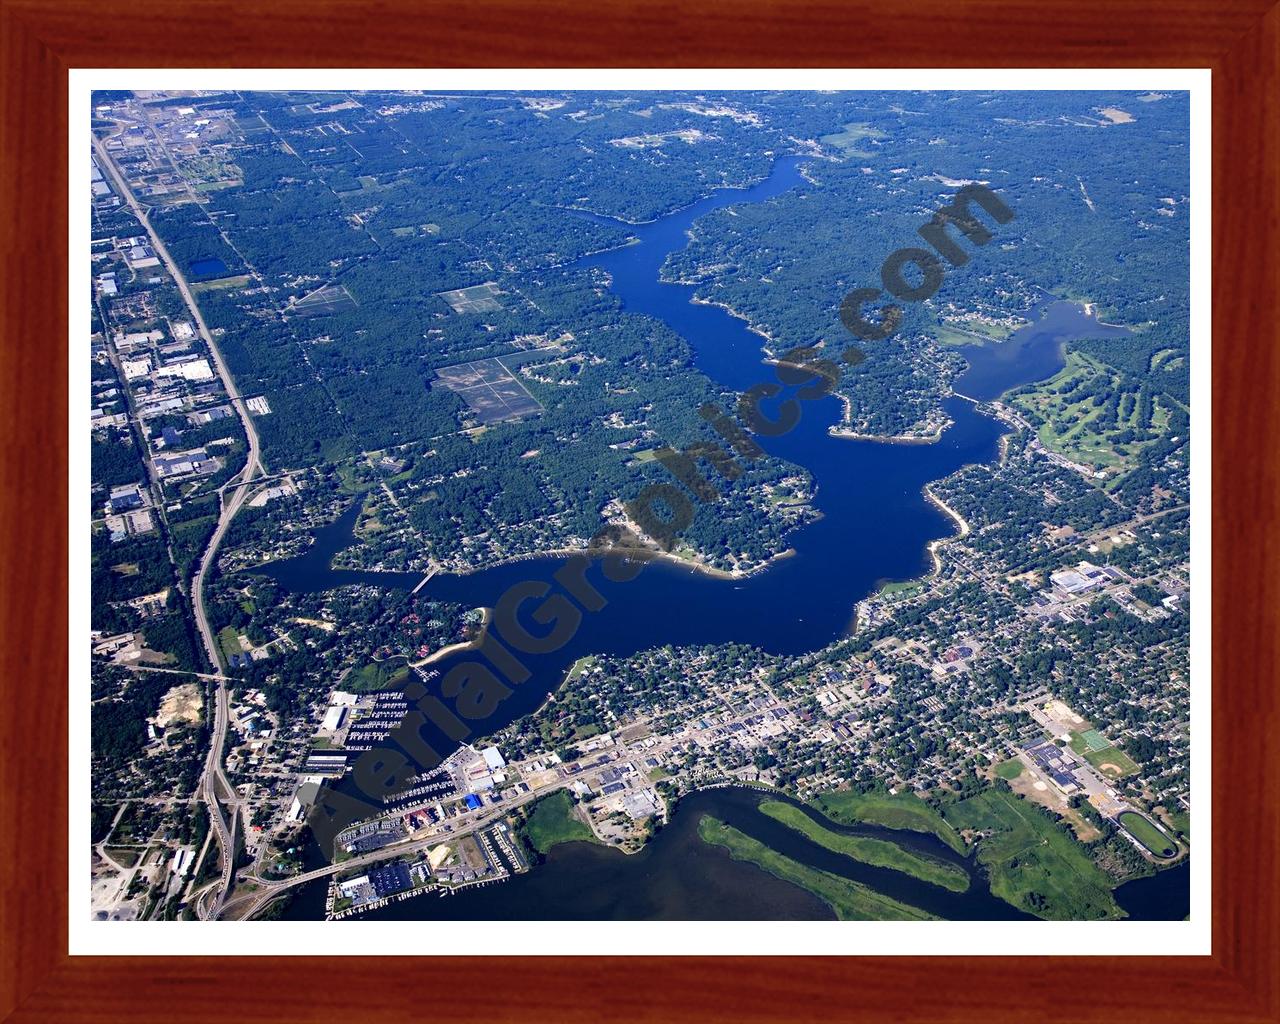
(1070, 427)
(848, 138)
(221, 284)
(974, 332)
(552, 822)
(901, 810)
(125, 856)
(849, 900)
(1113, 762)
(1009, 769)
(1032, 864)
(876, 852)
(229, 641)
(1148, 834)
(378, 675)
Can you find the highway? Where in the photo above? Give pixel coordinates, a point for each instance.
(214, 775)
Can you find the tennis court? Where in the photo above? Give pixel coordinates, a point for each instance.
(1094, 740)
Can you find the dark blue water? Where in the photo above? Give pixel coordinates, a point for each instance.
(679, 877)
(875, 525)
(1164, 896)
(211, 267)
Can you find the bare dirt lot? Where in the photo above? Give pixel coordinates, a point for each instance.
(181, 704)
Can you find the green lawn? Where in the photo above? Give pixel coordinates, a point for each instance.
(975, 332)
(221, 284)
(901, 810)
(1109, 760)
(552, 822)
(1071, 427)
(849, 900)
(1149, 834)
(378, 675)
(850, 136)
(876, 852)
(229, 641)
(1009, 769)
(1031, 862)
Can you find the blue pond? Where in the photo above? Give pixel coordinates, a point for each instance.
(205, 268)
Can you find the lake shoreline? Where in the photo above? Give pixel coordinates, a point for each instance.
(486, 617)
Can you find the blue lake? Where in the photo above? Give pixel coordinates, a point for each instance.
(876, 525)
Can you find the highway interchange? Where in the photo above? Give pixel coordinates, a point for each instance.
(215, 788)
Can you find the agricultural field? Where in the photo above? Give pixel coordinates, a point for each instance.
(324, 301)
(1032, 863)
(479, 298)
(490, 390)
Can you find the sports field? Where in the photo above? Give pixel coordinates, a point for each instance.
(1148, 834)
(1111, 761)
(1093, 740)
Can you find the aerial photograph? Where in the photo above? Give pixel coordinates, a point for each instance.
(618, 505)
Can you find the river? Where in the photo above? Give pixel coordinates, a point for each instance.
(875, 525)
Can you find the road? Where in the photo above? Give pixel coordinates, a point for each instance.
(461, 826)
(453, 829)
(214, 775)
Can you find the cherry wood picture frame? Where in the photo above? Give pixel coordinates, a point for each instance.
(41, 39)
